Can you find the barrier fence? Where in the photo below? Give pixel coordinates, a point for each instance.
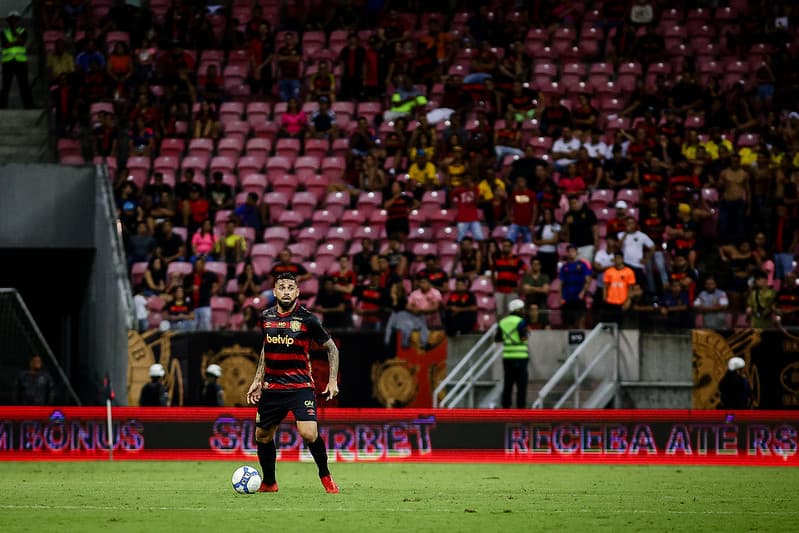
(369, 435)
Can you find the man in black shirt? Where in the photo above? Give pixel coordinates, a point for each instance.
(212, 394)
(434, 273)
(526, 167)
(582, 227)
(200, 285)
(332, 305)
(220, 195)
(170, 245)
(365, 261)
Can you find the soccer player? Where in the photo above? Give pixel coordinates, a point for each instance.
(283, 380)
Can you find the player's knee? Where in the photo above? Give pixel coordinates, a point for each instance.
(309, 434)
(263, 436)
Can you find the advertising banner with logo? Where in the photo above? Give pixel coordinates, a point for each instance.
(369, 435)
(772, 366)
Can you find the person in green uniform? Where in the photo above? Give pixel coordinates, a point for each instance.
(512, 333)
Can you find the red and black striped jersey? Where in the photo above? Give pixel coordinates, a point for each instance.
(287, 342)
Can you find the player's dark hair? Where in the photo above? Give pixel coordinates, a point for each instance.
(286, 275)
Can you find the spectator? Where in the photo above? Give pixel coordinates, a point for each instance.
(140, 245)
(261, 53)
(322, 84)
(681, 233)
(195, 210)
(570, 183)
(140, 306)
(289, 66)
(398, 208)
(332, 305)
(522, 210)
(426, 302)
(461, 309)
(760, 303)
(596, 146)
(465, 199)
(535, 289)
(154, 280)
(323, 122)
(372, 178)
(206, 121)
(674, 306)
(423, 175)
(230, 248)
(547, 237)
(352, 59)
(581, 225)
(178, 311)
(344, 279)
(603, 260)
(203, 242)
(405, 100)
(293, 122)
(618, 172)
(575, 278)
(142, 139)
(399, 260)
(468, 259)
(652, 222)
(170, 245)
(34, 386)
(120, 70)
(219, 194)
(60, 62)
(742, 265)
(90, 55)
(201, 285)
(508, 140)
(618, 223)
(249, 283)
(616, 289)
(585, 116)
(210, 87)
(370, 302)
(786, 240)
(553, 116)
(365, 261)
(564, 150)
(637, 248)
(251, 214)
(491, 197)
(363, 140)
(712, 304)
(787, 303)
(433, 272)
(285, 264)
(506, 275)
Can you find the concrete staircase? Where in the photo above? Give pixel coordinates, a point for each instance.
(24, 136)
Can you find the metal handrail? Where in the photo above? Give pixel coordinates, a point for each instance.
(571, 361)
(465, 360)
(483, 363)
(117, 248)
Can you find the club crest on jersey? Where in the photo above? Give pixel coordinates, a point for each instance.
(296, 325)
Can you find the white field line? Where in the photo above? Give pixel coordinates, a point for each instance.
(47, 507)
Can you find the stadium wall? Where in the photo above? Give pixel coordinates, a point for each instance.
(56, 247)
(370, 435)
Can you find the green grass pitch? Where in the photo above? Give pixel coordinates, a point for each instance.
(196, 496)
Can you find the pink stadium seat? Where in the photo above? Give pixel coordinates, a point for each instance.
(304, 203)
(258, 111)
(289, 148)
(337, 202)
(365, 232)
(316, 148)
(201, 147)
(278, 163)
(221, 309)
(230, 147)
(631, 196)
(255, 183)
(276, 235)
(277, 202)
(137, 271)
(237, 128)
(338, 234)
(290, 219)
(353, 218)
(217, 267)
(250, 164)
(322, 219)
(263, 255)
(284, 183)
(258, 147)
(310, 236)
(179, 267)
(222, 163)
(172, 147)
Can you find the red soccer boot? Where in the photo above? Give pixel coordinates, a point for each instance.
(328, 483)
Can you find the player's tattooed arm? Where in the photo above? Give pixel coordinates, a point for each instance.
(254, 393)
(332, 357)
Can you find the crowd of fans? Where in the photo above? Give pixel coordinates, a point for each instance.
(626, 161)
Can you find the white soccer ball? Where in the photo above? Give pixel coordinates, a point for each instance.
(246, 480)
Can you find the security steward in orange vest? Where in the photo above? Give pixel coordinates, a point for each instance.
(15, 60)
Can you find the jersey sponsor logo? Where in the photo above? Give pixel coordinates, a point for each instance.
(309, 403)
(279, 339)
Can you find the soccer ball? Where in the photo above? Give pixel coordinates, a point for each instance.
(246, 480)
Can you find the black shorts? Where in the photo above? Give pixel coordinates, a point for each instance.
(275, 405)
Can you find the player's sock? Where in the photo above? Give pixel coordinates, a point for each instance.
(319, 453)
(267, 455)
